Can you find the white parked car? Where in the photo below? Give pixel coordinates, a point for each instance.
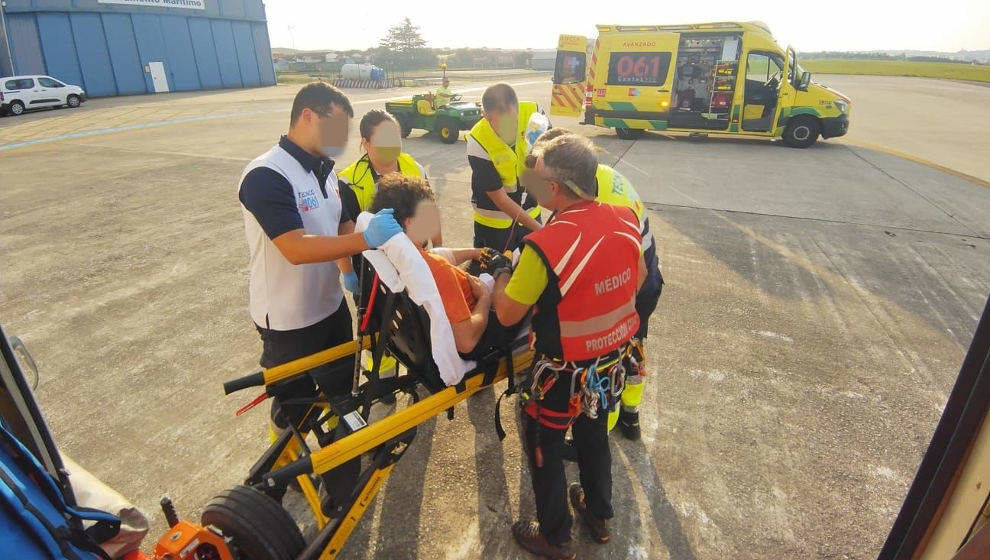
(24, 93)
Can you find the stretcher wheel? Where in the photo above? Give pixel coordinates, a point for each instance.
(257, 527)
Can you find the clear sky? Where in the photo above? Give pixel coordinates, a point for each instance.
(946, 25)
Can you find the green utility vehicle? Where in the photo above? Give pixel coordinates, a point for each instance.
(447, 121)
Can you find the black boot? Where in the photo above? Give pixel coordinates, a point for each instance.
(629, 424)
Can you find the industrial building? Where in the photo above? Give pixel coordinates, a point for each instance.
(543, 59)
(124, 47)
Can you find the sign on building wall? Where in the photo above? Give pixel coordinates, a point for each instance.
(188, 4)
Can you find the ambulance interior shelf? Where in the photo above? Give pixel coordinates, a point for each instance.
(705, 81)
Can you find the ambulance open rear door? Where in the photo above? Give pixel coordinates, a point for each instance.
(569, 75)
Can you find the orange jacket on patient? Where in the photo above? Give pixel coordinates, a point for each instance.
(455, 290)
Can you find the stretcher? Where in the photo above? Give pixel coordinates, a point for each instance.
(389, 323)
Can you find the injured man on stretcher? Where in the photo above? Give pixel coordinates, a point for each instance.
(467, 298)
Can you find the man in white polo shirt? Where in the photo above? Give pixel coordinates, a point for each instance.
(295, 231)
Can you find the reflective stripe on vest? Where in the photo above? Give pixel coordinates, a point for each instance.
(508, 163)
(498, 219)
(362, 182)
(592, 252)
(570, 329)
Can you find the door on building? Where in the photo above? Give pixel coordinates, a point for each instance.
(158, 78)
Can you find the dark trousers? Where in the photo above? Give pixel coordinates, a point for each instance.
(507, 239)
(649, 294)
(549, 480)
(496, 337)
(280, 347)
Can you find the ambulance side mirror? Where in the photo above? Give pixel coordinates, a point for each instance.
(805, 81)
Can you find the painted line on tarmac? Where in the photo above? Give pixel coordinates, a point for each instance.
(917, 159)
(202, 118)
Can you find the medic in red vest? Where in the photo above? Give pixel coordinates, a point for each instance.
(581, 273)
(591, 252)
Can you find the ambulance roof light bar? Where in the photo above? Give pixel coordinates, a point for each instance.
(722, 25)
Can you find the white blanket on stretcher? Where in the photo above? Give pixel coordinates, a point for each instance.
(401, 267)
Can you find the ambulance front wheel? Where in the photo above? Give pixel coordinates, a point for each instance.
(255, 526)
(802, 131)
(629, 133)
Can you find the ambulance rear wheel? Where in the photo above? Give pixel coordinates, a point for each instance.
(255, 526)
(802, 132)
(629, 133)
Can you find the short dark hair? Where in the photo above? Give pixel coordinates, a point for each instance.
(499, 97)
(401, 193)
(373, 118)
(318, 96)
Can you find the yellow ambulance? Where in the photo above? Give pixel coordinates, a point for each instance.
(721, 78)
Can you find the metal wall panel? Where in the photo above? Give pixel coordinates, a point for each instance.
(94, 58)
(223, 38)
(150, 44)
(231, 8)
(246, 60)
(105, 47)
(127, 68)
(254, 10)
(178, 47)
(60, 5)
(59, 48)
(263, 53)
(205, 53)
(25, 46)
(18, 5)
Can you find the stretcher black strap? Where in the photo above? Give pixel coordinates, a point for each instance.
(510, 390)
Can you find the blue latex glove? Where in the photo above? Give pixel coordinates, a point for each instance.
(351, 282)
(381, 228)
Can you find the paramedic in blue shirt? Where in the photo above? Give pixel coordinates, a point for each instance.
(295, 230)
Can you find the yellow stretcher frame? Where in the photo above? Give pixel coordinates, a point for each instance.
(388, 431)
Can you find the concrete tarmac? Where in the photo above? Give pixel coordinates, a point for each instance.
(817, 308)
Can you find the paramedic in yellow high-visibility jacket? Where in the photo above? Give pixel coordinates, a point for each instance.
(503, 213)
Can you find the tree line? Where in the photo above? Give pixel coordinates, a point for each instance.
(404, 48)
